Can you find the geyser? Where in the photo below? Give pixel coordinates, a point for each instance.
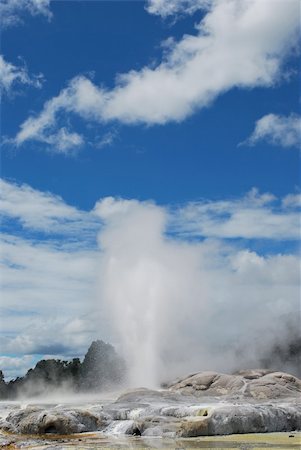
(146, 281)
(175, 306)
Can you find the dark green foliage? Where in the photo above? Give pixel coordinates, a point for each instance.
(101, 368)
(50, 371)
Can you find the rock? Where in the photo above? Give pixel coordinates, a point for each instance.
(209, 383)
(201, 404)
(194, 427)
(252, 374)
(240, 419)
(274, 385)
(40, 421)
(146, 395)
(259, 384)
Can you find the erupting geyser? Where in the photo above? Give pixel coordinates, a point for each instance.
(176, 307)
(146, 280)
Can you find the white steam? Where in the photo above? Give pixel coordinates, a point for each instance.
(145, 279)
(180, 306)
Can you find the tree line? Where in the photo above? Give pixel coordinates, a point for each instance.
(101, 368)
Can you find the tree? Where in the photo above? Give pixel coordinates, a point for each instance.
(3, 387)
(73, 371)
(101, 368)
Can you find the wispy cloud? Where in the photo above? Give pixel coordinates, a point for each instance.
(255, 216)
(168, 8)
(12, 12)
(283, 131)
(107, 139)
(43, 211)
(230, 48)
(12, 76)
(292, 201)
(62, 141)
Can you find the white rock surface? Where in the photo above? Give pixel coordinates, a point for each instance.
(201, 404)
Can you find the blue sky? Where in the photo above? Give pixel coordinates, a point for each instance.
(204, 124)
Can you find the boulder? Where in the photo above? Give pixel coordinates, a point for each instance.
(41, 421)
(243, 419)
(256, 384)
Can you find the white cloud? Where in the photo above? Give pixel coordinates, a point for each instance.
(47, 281)
(255, 216)
(191, 300)
(11, 75)
(237, 44)
(284, 131)
(63, 140)
(44, 289)
(165, 8)
(107, 139)
(12, 11)
(43, 211)
(292, 201)
(16, 365)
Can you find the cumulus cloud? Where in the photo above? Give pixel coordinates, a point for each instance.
(236, 44)
(12, 11)
(283, 131)
(11, 76)
(169, 303)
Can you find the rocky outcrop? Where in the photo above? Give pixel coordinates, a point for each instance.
(202, 404)
(238, 419)
(43, 421)
(256, 384)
